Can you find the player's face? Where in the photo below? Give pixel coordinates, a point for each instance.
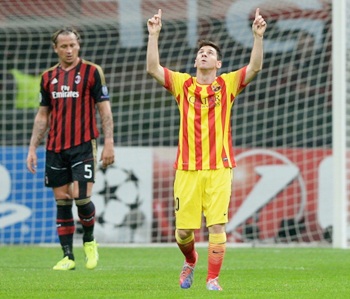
(67, 48)
(207, 59)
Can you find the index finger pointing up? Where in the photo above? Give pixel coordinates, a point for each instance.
(257, 12)
(160, 13)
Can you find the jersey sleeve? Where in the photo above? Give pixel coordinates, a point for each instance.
(45, 99)
(174, 81)
(236, 80)
(99, 89)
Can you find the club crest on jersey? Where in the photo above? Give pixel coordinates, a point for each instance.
(216, 88)
(77, 79)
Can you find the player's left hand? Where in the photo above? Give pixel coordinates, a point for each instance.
(259, 24)
(154, 24)
(107, 156)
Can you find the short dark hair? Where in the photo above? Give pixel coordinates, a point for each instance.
(65, 30)
(205, 42)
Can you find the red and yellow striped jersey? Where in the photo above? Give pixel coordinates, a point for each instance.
(205, 140)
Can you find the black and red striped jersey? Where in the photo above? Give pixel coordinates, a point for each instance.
(71, 97)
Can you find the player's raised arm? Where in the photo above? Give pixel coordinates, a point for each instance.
(154, 68)
(256, 57)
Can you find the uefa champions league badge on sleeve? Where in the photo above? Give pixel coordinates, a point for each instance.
(104, 92)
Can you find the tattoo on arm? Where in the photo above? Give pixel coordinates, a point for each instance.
(39, 131)
(107, 125)
(106, 119)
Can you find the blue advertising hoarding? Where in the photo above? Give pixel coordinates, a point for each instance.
(122, 196)
(27, 207)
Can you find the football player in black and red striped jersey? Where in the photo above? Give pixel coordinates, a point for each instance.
(71, 91)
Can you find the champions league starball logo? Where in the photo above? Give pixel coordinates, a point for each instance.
(116, 196)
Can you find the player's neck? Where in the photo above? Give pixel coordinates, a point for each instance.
(68, 66)
(206, 77)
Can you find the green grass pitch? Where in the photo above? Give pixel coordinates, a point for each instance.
(152, 272)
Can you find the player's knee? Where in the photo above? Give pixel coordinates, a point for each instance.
(64, 192)
(184, 235)
(216, 229)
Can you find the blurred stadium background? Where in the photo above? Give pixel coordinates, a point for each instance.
(282, 122)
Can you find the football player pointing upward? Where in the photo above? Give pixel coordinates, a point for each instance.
(205, 157)
(70, 92)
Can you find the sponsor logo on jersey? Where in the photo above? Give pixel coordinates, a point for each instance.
(65, 93)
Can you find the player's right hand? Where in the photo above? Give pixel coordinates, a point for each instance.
(32, 161)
